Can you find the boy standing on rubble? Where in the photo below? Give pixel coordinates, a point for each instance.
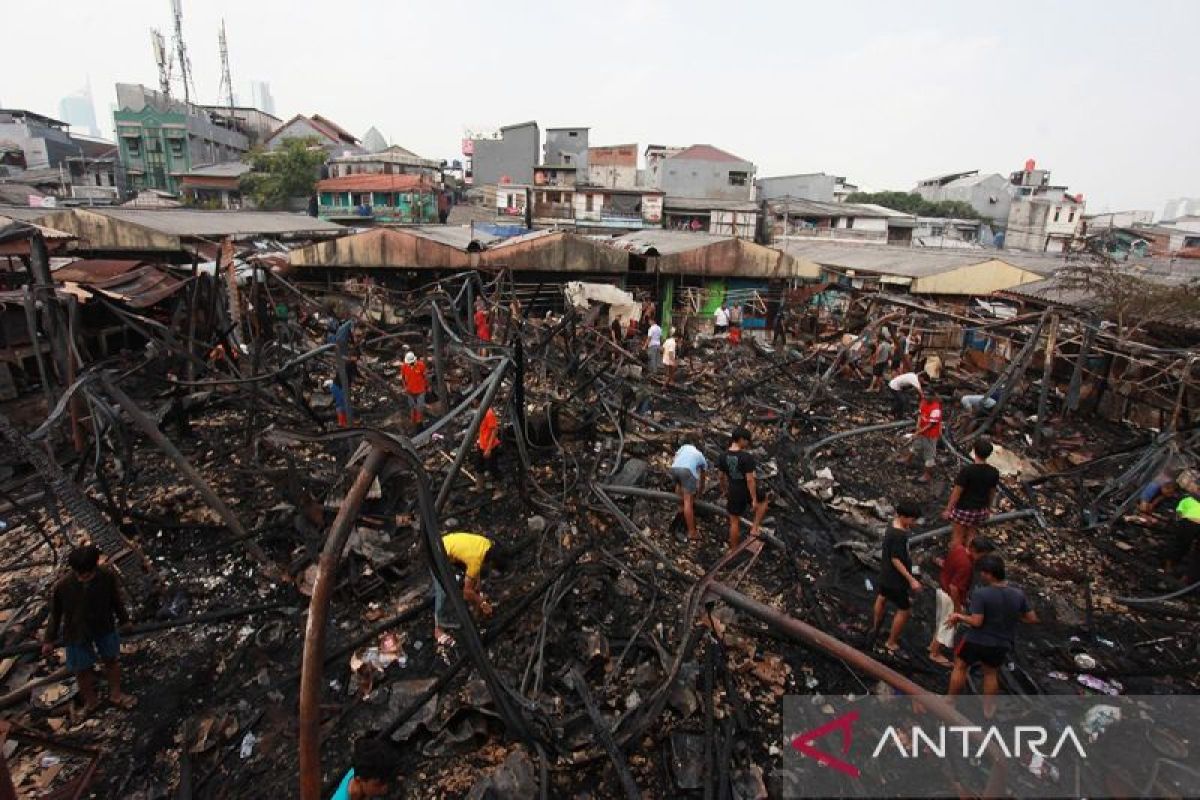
(896, 581)
(670, 355)
(739, 482)
(995, 610)
(929, 430)
(954, 584)
(970, 502)
(416, 384)
(86, 607)
(880, 362)
(721, 321)
(372, 772)
(653, 345)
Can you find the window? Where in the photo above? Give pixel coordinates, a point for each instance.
(591, 202)
(573, 134)
(1071, 217)
(1057, 213)
(738, 178)
(134, 145)
(849, 222)
(176, 148)
(566, 158)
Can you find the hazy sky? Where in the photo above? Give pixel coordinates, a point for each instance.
(1103, 93)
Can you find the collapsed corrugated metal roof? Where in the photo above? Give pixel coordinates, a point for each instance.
(135, 283)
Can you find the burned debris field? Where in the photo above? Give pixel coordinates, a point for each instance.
(245, 454)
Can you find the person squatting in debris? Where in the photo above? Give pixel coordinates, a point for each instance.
(468, 552)
(373, 769)
(488, 442)
(779, 329)
(1155, 492)
(995, 609)
(653, 345)
(721, 321)
(340, 403)
(880, 361)
(416, 384)
(739, 483)
(898, 386)
(687, 470)
(670, 355)
(896, 581)
(925, 440)
(86, 608)
(954, 585)
(974, 493)
(1185, 540)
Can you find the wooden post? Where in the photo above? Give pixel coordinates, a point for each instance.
(1047, 379)
(1073, 390)
(439, 360)
(1184, 374)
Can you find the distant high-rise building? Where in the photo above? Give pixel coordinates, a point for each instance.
(78, 111)
(260, 96)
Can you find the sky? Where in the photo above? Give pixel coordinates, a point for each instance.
(1103, 93)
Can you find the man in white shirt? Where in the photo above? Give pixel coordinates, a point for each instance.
(897, 388)
(721, 320)
(654, 345)
(669, 357)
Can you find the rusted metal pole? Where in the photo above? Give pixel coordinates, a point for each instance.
(856, 660)
(1043, 408)
(312, 670)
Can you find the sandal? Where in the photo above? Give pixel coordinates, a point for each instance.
(125, 701)
(941, 661)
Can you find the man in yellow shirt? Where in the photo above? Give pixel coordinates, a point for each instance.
(467, 551)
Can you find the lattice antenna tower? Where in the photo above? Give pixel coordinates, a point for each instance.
(226, 89)
(185, 63)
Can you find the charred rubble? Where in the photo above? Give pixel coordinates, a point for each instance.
(280, 566)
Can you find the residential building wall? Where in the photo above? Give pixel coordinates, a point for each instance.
(656, 155)
(630, 210)
(614, 167)
(816, 186)
(1120, 219)
(511, 156)
(45, 144)
(302, 128)
(1181, 207)
(1043, 224)
(160, 137)
(567, 146)
(990, 195)
(712, 180)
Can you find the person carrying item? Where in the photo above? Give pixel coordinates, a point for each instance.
(721, 321)
(739, 482)
(466, 551)
(488, 441)
(653, 346)
(924, 441)
(974, 492)
(1155, 493)
(340, 404)
(86, 609)
(879, 363)
(416, 384)
(670, 355)
(687, 470)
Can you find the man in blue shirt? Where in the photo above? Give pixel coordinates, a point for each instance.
(687, 470)
(374, 767)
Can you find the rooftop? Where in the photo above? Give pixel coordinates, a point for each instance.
(229, 169)
(799, 207)
(42, 118)
(193, 222)
(706, 152)
(703, 204)
(375, 183)
(912, 262)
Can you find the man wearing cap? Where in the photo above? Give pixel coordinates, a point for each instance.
(739, 482)
(415, 386)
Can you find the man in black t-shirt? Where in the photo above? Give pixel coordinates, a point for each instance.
(995, 610)
(970, 503)
(739, 483)
(896, 580)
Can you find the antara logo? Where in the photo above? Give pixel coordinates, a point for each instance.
(802, 742)
(1024, 739)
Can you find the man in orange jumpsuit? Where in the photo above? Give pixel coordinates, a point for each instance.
(489, 440)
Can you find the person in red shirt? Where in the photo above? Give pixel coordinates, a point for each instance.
(929, 430)
(489, 440)
(953, 585)
(415, 386)
(483, 327)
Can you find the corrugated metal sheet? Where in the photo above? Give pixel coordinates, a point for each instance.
(140, 287)
(95, 269)
(376, 183)
(188, 222)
